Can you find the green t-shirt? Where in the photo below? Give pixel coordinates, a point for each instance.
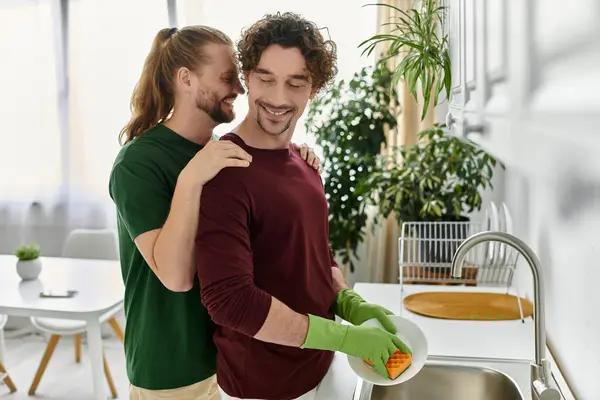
(168, 337)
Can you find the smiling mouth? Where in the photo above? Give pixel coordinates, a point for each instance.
(229, 101)
(275, 112)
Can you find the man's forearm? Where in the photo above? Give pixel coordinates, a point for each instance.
(283, 326)
(174, 247)
(287, 327)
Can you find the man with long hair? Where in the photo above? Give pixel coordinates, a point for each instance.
(188, 85)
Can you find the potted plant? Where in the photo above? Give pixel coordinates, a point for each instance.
(426, 60)
(439, 179)
(29, 264)
(349, 121)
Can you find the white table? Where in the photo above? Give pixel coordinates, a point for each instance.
(100, 290)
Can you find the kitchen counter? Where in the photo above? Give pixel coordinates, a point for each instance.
(500, 340)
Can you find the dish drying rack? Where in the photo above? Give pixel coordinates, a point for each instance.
(426, 250)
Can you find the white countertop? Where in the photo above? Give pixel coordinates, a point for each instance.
(446, 338)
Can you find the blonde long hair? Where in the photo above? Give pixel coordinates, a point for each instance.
(153, 98)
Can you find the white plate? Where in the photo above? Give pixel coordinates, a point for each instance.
(508, 228)
(493, 247)
(412, 336)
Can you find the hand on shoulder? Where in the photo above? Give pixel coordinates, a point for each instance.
(308, 155)
(216, 155)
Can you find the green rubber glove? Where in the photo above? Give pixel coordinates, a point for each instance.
(369, 342)
(354, 309)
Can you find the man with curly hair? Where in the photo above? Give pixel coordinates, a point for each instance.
(267, 274)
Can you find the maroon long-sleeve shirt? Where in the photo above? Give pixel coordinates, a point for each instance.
(264, 232)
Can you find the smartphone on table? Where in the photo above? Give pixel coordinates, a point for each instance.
(59, 294)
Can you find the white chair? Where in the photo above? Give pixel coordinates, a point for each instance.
(96, 244)
(4, 377)
(88, 244)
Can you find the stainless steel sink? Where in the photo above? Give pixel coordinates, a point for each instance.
(452, 383)
(457, 379)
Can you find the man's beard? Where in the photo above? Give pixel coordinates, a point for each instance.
(213, 107)
(273, 133)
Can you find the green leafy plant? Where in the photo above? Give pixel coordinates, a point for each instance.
(427, 59)
(438, 179)
(28, 252)
(349, 121)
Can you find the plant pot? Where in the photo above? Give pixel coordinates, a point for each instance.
(439, 241)
(30, 269)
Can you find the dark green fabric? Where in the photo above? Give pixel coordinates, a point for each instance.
(168, 337)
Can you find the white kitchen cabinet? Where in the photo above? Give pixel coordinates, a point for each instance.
(526, 75)
(556, 93)
(491, 21)
(460, 28)
(459, 94)
(536, 106)
(479, 103)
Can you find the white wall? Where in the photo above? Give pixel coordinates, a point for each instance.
(542, 115)
(560, 219)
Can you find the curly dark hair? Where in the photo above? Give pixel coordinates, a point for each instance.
(290, 30)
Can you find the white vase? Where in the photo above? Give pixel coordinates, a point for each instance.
(29, 269)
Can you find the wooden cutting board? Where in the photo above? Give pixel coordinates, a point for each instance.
(468, 306)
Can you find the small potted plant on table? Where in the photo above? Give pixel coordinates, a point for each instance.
(29, 264)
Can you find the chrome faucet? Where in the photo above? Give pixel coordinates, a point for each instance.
(540, 369)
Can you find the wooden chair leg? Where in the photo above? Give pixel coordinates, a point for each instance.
(109, 379)
(6, 379)
(45, 359)
(78, 348)
(117, 328)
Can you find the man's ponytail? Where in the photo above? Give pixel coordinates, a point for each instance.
(153, 97)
